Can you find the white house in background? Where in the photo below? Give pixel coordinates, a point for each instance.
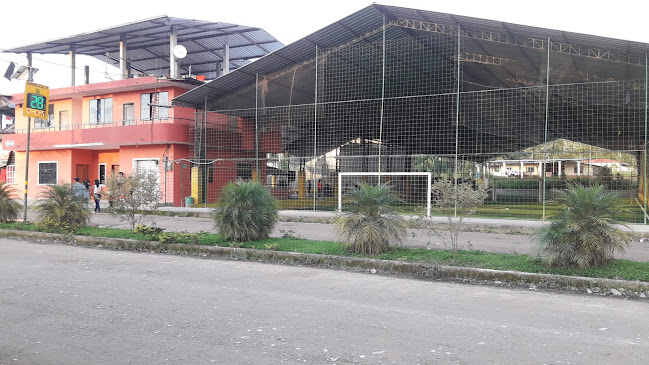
(616, 167)
(572, 167)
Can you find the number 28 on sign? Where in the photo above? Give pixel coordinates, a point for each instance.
(36, 100)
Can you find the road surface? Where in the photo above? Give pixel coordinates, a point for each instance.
(62, 304)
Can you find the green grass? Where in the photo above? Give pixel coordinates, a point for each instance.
(617, 269)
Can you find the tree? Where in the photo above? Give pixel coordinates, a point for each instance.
(585, 232)
(372, 222)
(9, 207)
(133, 197)
(456, 202)
(247, 211)
(60, 211)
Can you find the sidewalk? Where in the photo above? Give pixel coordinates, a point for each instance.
(474, 221)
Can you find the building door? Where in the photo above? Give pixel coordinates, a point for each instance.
(150, 166)
(64, 120)
(129, 113)
(82, 172)
(102, 173)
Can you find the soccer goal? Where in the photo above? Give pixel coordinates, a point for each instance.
(429, 175)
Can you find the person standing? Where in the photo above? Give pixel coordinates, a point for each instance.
(96, 193)
(80, 191)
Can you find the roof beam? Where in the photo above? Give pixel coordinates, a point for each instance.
(540, 44)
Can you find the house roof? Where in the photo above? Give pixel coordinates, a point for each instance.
(148, 44)
(603, 161)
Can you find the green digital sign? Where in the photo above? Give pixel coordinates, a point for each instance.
(36, 103)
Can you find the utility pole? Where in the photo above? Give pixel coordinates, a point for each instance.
(35, 104)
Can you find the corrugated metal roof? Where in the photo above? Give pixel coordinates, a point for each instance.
(148, 44)
(370, 19)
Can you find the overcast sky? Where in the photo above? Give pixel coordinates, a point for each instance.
(288, 21)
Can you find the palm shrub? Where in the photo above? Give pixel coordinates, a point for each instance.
(247, 212)
(9, 208)
(60, 211)
(585, 232)
(372, 222)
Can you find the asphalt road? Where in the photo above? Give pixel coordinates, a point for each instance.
(62, 304)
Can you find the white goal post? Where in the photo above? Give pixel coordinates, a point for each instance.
(428, 188)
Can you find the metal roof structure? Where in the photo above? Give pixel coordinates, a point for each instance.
(6, 107)
(148, 45)
(482, 38)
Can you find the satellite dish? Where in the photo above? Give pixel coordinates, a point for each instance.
(180, 51)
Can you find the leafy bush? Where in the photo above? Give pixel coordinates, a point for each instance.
(133, 197)
(246, 212)
(149, 231)
(372, 222)
(456, 202)
(584, 233)
(179, 237)
(9, 208)
(60, 211)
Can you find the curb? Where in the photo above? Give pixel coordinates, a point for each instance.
(532, 281)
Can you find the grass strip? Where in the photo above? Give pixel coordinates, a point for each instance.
(616, 269)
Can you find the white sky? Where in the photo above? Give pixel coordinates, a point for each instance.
(287, 20)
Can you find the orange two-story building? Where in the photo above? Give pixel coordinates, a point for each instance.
(95, 130)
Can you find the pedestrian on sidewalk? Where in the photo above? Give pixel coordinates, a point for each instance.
(80, 191)
(96, 193)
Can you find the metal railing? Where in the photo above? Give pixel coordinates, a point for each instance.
(118, 123)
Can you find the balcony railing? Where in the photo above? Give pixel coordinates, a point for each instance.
(119, 123)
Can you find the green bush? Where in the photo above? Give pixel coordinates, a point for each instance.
(179, 237)
(246, 212)
(9, 208)
(147, 230)
(60, 211)
(372, 221)
(584, 232)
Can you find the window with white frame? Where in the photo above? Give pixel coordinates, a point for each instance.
(11, 174)
(153, 106)
(529, 169)
(101, 111)
(47, 173)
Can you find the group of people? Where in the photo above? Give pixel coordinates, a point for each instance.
(323, 190)
(87, 191)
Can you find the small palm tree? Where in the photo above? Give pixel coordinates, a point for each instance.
(247, 212)
(59, 210)
(585, 232)
(372, 223)
(9, 208)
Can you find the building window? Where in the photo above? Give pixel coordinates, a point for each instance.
(11, 174)
(45, 123)
(154, 106)
(101, 111)
(47, 173)
(530, 169)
